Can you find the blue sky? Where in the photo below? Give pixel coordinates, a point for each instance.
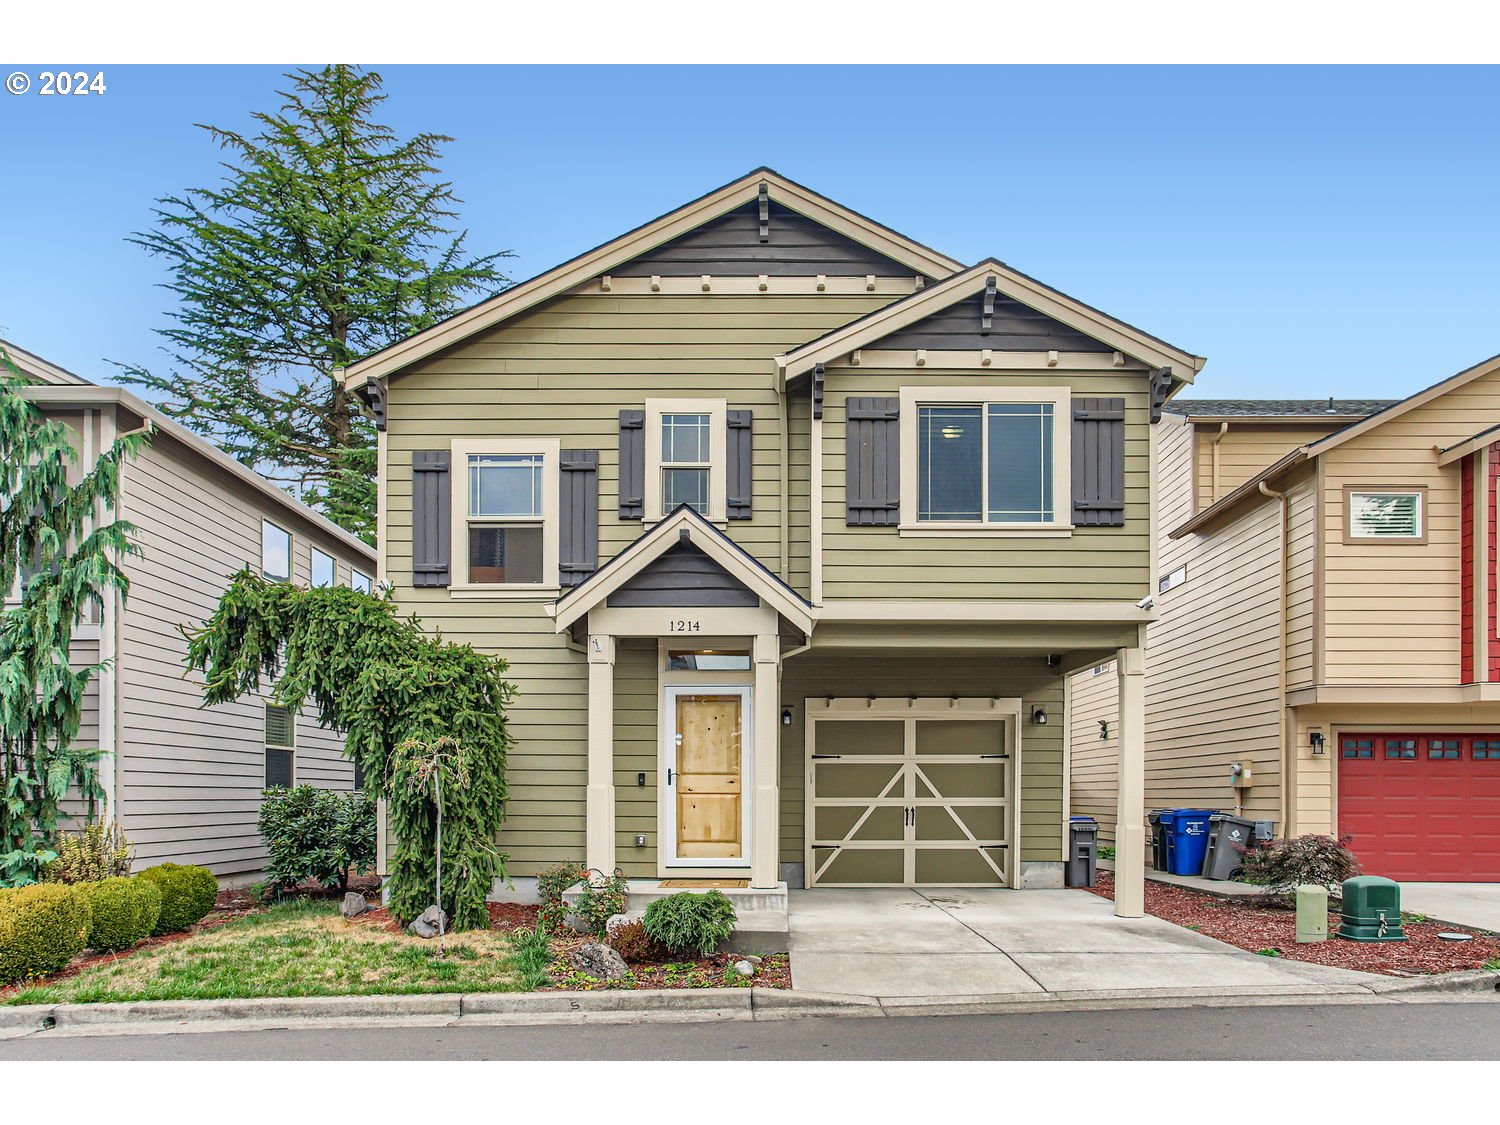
(1318, 230)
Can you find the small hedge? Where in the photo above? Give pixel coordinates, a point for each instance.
(187, 895)
(690, 923)
(42, 928)
(124, 911)
(316, 834)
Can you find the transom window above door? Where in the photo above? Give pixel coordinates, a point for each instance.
(686, 445)
(985, 463)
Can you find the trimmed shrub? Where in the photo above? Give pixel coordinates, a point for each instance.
(691, 923)
(187, 895)
(42, 928)
(551, 882)
(1281, 866)
(601, 899)
(98, 851)
(632, 942)
(316, 834)
(123, 911)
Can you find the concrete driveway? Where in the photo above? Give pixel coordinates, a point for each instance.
(905, 943)
(1474, 906)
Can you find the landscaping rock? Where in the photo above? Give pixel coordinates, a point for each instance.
(614, 923)
(354, 905)
(428, 924)
(598, 960)
(753, 959)
(745, 968)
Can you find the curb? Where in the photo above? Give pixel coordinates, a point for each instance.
(676, 1005)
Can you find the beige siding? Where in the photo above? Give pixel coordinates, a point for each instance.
(190, 777)
(1095, 757)
(1392, 609)
(839, 673)
(1302, 578)
(1095, 564)
(1247, 448)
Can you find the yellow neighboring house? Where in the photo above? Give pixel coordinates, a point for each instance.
(791, 529)
(1326, 620)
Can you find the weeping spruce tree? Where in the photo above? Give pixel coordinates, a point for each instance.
(64, 558)
(408, 703)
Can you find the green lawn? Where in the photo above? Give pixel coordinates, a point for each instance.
(294, 949)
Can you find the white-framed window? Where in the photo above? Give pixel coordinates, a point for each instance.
(322, 568)
(986, 459)
(359, 580)
(686, 447)
(1171, 580)
(1397, 513)
(281, 746)
(275, 552)
(505, 531)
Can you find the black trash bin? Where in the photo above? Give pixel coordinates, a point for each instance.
(1227, 836)
(1158, 840)
(1083, 851)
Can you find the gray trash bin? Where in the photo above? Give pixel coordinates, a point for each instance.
(1227, 835)
(1083, 851)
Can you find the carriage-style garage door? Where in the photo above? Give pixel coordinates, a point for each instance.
(899, 800)
(1422, 806)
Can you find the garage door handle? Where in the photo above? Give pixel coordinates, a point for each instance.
(1001, 757)
(817, 757)
(990, 847)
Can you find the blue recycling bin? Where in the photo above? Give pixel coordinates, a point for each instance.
(1186, 832)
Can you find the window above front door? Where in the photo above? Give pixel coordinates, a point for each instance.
(686, 445)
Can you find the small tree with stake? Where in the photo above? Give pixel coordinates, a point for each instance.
(56, 540)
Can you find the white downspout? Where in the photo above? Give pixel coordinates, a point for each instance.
(1218, 437)
(1281, 633)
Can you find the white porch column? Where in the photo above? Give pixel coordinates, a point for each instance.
(1130, 830)
(765, 834)
(599, 808)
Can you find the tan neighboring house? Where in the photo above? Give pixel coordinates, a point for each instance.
(790, 528)
(185, 781)
(1326, 620)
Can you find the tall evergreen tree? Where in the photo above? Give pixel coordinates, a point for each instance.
(329, 238)
(59, 547)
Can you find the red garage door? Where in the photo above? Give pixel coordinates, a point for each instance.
(1422, 806)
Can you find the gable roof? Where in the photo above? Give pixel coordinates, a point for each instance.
(682, 524)
(1313, 409)
(1339, 437)
(43, 371)
(877, 325)
(659, 231)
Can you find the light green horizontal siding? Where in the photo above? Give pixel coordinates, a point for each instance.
(635, 753)
(1095, 564)
(841, 673)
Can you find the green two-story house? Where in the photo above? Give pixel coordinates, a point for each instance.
(791, 529)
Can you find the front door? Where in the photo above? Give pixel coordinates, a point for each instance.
(706, 775)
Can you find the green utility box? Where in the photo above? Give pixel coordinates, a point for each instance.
(1372, 909)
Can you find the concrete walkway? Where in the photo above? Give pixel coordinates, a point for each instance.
(1473, 906)
(904, 943)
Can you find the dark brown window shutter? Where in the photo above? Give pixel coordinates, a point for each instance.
(431, 517)
(872, 462)
(1098, 462)
(740, 484)
(578, 515)
(632, 464)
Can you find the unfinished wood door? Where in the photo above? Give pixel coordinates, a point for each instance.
(709, 781)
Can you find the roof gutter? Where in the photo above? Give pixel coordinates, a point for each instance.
(1249, 488)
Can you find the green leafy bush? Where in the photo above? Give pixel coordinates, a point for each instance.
(603, 897)
(551, 882)
(1281, 866)
(632, 942)
(122, 911)
(316, 834)
(99, 851)
(187, 895)
(42, 928)
(691, 923)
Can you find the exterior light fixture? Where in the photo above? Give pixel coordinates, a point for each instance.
(1103, 729)
(786, 716)
(1039, 716)
(1316, 739)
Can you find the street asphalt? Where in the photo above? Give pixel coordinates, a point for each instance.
(1448, 1029)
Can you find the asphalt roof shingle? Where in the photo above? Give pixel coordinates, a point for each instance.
(1278, 407)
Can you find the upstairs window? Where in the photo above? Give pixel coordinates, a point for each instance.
(1386, 515)
(322, 568)
(504, 504)
(360, 581)
(988, 463)
(275, 552)
(686, 454)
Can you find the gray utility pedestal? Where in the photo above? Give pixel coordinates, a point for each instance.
(1228, 836)
(1083, 852)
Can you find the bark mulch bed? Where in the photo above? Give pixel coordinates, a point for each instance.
(717, 971)
(1258, 927)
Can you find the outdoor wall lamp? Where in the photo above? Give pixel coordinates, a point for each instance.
(1039, 716)
(1316, 739)
(786, 716)
(1103, 729)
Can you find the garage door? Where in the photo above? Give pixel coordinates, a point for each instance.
(908, 801)
(1422, 806)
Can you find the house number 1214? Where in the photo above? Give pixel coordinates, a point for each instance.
(681, 626)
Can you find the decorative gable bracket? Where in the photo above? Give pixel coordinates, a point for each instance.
(817, 391)
(987, 317)
(373, 395)
(765, 212)
(1161, 386)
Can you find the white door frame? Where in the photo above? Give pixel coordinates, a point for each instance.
(668, 745)
(1006, 710)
